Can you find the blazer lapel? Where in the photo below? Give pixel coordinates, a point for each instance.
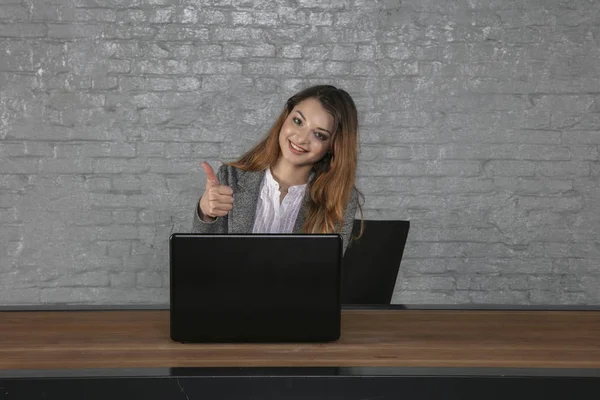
(245, 198)
(302, 213)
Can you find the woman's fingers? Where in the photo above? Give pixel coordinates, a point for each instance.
(218, 201)
(219, 213)
(215, 196)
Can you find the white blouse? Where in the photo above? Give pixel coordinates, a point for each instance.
(273, 216)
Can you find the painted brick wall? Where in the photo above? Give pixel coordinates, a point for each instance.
(480, 123)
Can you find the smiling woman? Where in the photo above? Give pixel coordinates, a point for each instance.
(299, 178)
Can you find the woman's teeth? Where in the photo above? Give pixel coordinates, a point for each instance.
(296, 147)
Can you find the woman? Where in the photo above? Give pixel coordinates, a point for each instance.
(299, 178)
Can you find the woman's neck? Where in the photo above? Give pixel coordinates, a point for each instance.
(289, 175)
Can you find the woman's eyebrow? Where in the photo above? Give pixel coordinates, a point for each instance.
(304, 118)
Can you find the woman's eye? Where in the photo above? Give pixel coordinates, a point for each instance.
(297, 121)
(320, 136)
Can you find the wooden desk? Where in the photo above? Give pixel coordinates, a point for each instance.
(383, 354)
(370, 338)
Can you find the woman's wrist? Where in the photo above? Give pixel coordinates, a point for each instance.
(203, 216)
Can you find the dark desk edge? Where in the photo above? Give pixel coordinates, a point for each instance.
(453, 307)
(309, 383)
(241, 372)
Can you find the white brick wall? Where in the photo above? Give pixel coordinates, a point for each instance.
(480, 122)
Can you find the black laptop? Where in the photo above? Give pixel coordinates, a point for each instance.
(255, 287)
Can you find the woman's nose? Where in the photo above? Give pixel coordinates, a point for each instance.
(303, 135)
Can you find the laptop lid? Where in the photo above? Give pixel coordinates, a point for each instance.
(370, 265)
(255, 287)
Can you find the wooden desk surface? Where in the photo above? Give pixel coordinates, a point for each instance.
(374, 338)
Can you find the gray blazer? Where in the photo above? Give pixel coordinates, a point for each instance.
(246, 189)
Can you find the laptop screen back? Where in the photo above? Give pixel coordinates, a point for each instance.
(255, 288)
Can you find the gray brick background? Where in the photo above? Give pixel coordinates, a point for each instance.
(480, 123)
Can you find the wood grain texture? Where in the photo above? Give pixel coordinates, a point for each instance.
(390, 338)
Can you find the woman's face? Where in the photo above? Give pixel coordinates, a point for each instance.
(306, 134)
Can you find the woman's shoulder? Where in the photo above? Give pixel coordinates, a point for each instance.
(233, 175)
(229, 173)
(356, 197)
(228, 169)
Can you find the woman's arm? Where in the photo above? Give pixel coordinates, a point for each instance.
(349, 215)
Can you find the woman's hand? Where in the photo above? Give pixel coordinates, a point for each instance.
(217, 199)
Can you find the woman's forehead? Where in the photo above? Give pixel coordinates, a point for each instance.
(312, 109)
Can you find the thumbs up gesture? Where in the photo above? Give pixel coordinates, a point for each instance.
(217, 199)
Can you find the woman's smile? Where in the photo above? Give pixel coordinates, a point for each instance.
(297, 149)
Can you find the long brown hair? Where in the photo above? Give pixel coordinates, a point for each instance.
(333, 182)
